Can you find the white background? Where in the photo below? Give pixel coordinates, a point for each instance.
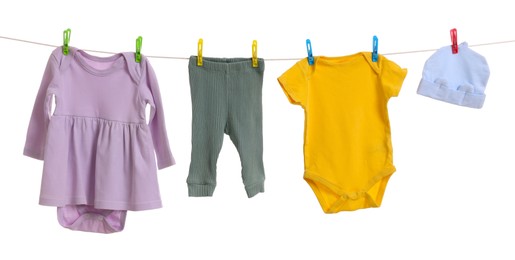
(452, 196)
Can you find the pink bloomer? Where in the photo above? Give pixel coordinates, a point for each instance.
(90, 219)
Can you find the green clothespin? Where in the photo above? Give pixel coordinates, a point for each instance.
(66, 40)
(139, 41)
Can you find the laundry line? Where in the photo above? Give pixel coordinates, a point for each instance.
(267, 59)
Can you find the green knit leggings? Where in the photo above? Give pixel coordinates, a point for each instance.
(226, 98)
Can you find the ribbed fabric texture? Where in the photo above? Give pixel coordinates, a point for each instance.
(226, 96)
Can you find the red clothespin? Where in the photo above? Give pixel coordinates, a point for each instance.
(454, 39)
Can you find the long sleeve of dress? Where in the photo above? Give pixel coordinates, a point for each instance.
(157, 120)
(37, 130)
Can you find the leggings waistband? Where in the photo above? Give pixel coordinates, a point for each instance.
(227, 64)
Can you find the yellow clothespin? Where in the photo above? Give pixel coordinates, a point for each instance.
(254, 54)
(199, 56)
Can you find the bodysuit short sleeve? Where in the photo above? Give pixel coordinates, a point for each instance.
(392, 77)
(294, 83)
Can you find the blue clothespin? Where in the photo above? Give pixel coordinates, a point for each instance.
(311, 60)
(374, 48)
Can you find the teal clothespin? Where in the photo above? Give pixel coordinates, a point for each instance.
(66, 41)
(139, 42)
(374, 48)
(311, 60)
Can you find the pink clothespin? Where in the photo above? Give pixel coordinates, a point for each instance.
(454, 39)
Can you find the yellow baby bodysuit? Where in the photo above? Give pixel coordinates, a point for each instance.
(347, 142)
